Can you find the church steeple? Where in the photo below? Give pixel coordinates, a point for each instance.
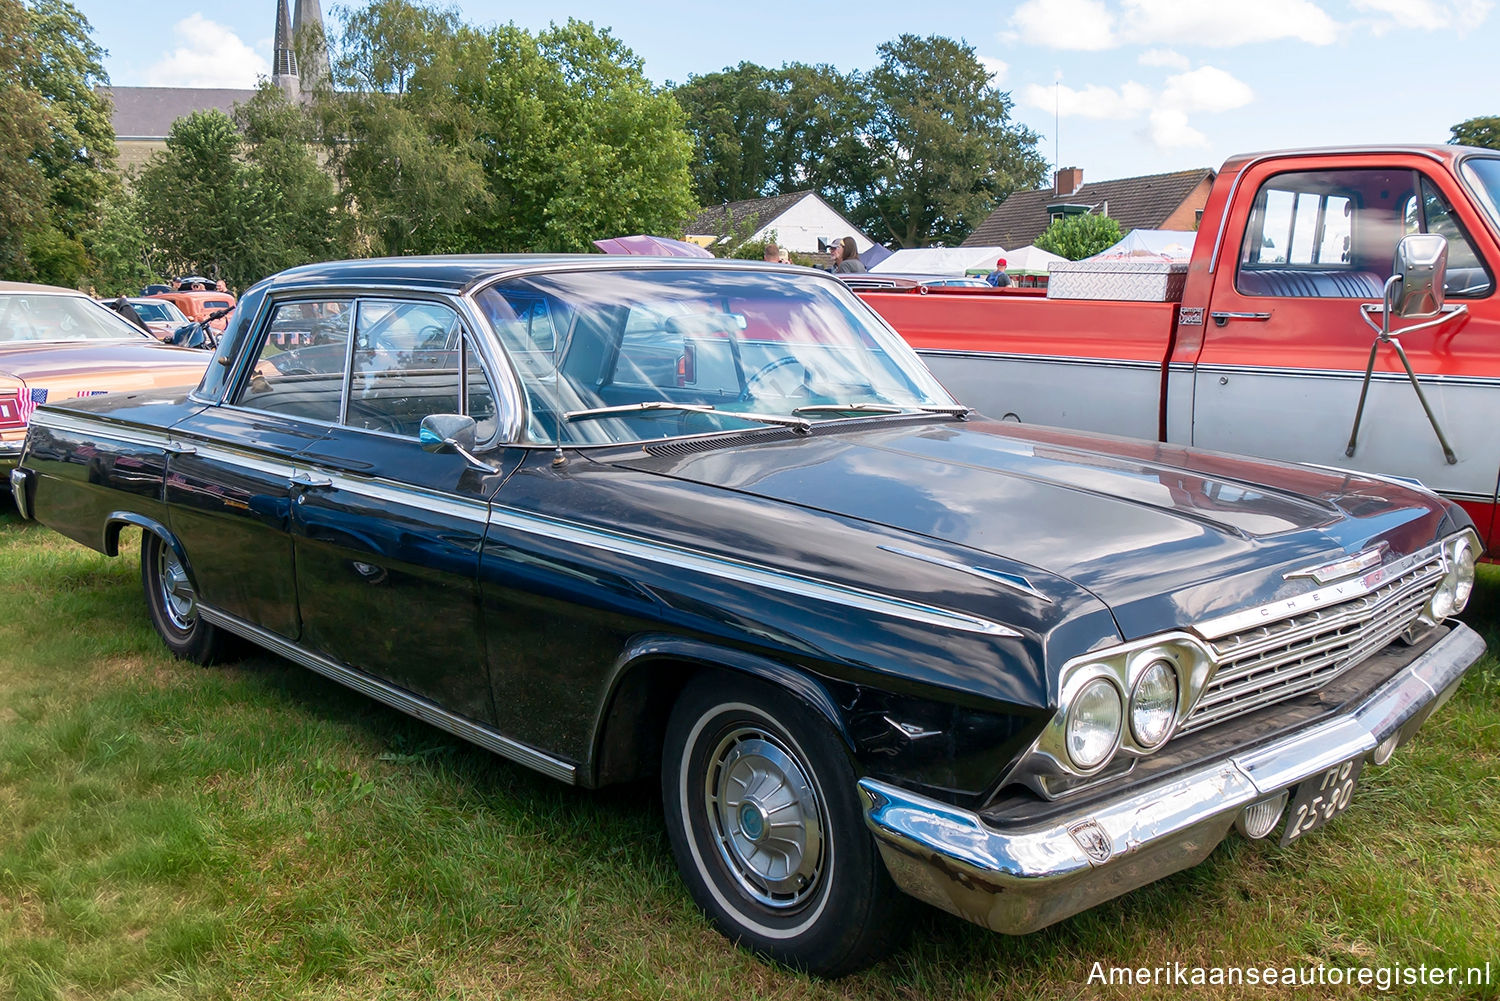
(307, 30)
(284, 61)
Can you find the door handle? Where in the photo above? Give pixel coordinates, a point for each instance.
(178, 448)
(308, 481)
(1222, 318)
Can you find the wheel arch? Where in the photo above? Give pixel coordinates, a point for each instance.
(117, 521)
(645, 682)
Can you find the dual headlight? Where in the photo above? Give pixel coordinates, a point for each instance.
(1134, 699)
(1460, 554)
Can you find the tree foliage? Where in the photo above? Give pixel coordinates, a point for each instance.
(1078, 236)
(232, 202)
(759, 131)
(1482, 131)
(57, 149)
(916, 151)
(943, 150)
(447, 138)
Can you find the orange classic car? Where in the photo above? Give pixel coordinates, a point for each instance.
(56, 344)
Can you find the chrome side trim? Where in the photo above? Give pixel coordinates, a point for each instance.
(54, 420)
(1013, 581)
(384, 490)
(571, 533)
(397, 698)
(1018, 879)
(1150, 366)
(1348, 375)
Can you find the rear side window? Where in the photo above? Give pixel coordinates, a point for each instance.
(299, 367)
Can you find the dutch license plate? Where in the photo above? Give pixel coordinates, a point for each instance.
(1319, 799)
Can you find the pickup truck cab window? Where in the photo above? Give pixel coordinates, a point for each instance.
(1333, 234)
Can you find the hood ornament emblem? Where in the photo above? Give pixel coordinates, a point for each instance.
(1339, 569)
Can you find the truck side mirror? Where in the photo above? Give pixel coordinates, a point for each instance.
(1421, 260)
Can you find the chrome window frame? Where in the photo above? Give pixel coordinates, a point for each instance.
(474, 333)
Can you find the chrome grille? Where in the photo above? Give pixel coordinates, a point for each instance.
(1278, 660)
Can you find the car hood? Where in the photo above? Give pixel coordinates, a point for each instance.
(101, 365)
(1164, 535)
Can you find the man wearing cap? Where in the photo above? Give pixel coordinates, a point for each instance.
(998, 277)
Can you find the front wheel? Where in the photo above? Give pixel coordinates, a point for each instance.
(172, 603)
(767, 831)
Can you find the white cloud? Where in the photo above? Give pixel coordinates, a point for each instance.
(1225, 22)
(1205, 89)
(1084, 25)
(1093, 101)
(1165, 58)
(206, 54)
(1168, 128)
(997, 69)
(1094, 25)
(1427, 14)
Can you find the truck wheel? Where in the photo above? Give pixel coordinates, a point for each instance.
(172, 603)
(767, 831)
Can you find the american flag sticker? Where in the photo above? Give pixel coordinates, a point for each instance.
(28, 401)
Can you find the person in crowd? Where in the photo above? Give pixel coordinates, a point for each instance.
(846, 257)
(221, 286)
(773, 252)
(125, 309)
(782, 257)
(998, 277)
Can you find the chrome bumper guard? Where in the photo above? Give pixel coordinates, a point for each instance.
(1019, 880)
(19, 478)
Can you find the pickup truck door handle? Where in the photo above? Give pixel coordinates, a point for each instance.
(307, 481)
(1223, 318)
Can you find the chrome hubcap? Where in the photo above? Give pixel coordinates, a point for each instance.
(766, 817)
(178, 598)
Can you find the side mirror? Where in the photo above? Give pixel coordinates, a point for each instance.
(447, 433)
(1421, 260)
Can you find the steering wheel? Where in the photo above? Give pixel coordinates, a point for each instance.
(767, 370)
(432, 338)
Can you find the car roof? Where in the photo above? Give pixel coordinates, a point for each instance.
(28, 287)
(459, 272)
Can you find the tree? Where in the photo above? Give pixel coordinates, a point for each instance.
(289, 201)
(761, 131)
(57, 149)
(445, 137)
(194, 190)
(1483, 131)
(1078, 236)
(942, 150)
(23, 112)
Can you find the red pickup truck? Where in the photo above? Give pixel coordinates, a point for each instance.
(1265, 344)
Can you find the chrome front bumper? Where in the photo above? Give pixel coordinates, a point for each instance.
(20, 478)
(1019, 880)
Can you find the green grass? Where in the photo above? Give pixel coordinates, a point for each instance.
(255, 832)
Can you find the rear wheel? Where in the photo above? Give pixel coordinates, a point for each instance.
(172, 602)
(767, 831)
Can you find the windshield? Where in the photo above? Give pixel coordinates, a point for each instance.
(707, 349)
(49, 316)
(1483, 175)
(162, 311)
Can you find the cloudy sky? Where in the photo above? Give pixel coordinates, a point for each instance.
(1117, 87)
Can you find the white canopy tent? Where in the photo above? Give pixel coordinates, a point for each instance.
(940, 260)
(1151, 245)
(1031, 260)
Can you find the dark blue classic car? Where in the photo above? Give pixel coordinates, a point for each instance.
(714, 521)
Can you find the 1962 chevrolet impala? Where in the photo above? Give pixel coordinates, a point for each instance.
(715, 521)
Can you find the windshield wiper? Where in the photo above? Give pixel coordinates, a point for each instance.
(961, 412)
(795, 423)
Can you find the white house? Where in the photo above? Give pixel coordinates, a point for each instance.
(800, 221)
